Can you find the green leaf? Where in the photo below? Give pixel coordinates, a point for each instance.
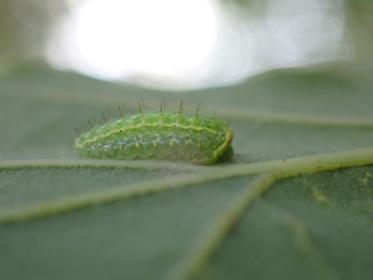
(296, 202)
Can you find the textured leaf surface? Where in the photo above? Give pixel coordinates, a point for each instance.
(295, 203)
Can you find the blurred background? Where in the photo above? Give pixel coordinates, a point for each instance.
(185, 44)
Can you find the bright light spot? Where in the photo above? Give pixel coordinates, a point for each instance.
(196, 43)
(118, 39)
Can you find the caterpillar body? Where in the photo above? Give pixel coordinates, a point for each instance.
(161, 136)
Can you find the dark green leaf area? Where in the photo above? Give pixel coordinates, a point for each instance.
(309, 227)
(24, 187)
(316, 91)
(33, 128)
(143, 238)
(255, 141)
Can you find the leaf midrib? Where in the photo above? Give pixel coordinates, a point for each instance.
(281, 168)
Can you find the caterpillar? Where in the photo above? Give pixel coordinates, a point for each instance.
(160, 136)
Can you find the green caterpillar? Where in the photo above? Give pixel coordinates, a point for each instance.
(161, 136)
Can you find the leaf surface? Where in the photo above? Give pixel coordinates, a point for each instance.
(295, 202)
